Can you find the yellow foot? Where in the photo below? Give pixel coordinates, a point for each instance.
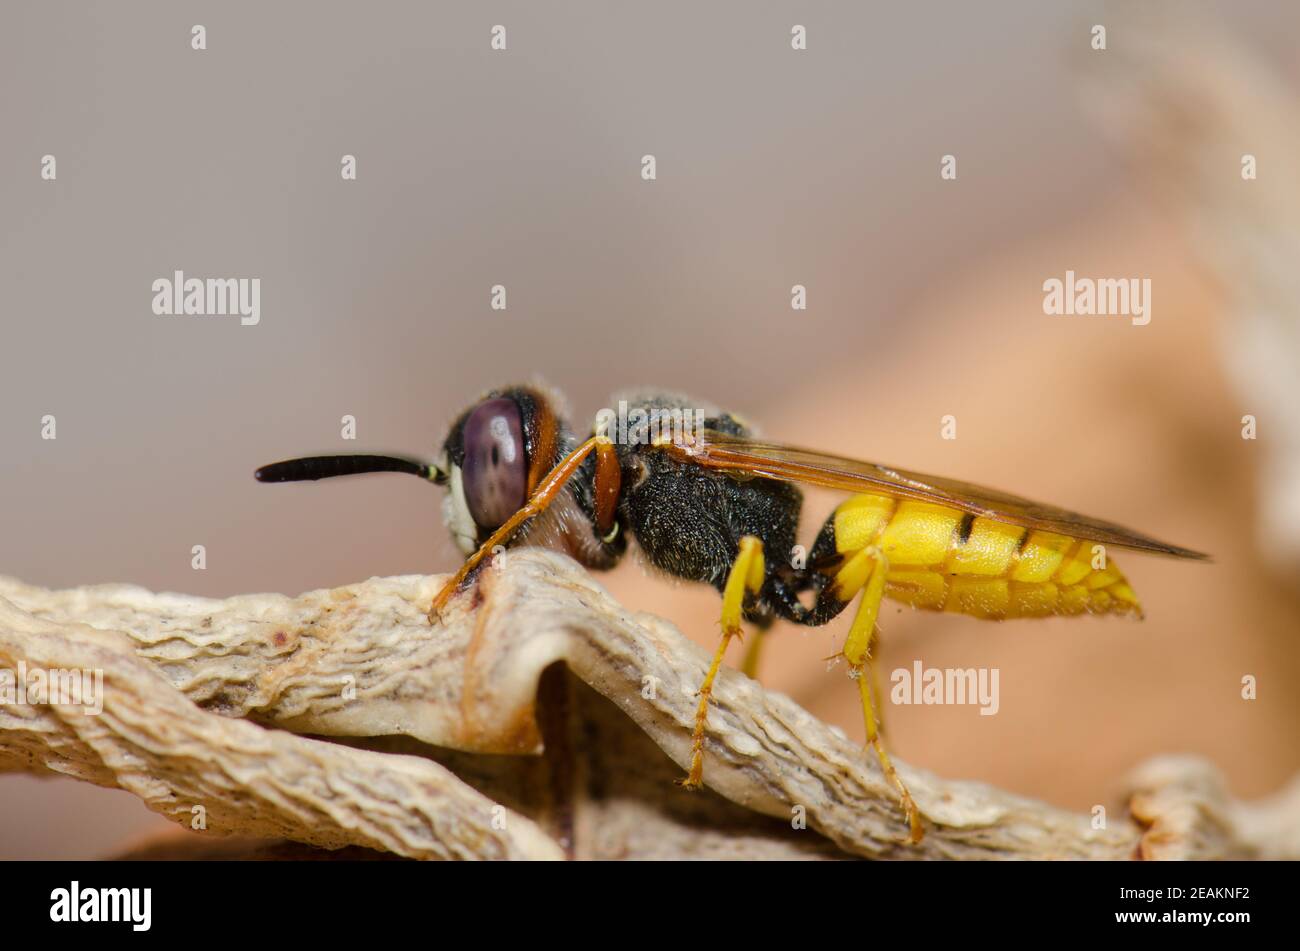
(694, 778)
(916, 830)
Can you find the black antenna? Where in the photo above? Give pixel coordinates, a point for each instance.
(311, 468)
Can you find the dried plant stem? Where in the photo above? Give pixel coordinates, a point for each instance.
(192, 687)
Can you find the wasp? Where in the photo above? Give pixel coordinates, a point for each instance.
(712, 503)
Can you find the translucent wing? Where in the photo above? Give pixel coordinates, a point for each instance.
(742, 455)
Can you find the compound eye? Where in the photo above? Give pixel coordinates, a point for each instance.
(495, 473)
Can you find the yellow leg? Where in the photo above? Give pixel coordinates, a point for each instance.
(749, 667)
(862, 666)
(746, 575)
(874, 671)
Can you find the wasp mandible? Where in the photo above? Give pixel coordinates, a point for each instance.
(722, 507)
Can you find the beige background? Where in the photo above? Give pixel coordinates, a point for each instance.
(522, 168)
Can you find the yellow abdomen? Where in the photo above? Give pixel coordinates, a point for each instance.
(943, 559)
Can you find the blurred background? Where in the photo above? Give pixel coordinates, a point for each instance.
(775, 167)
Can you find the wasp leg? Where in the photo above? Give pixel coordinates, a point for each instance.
(749, 666)
(875, 686)
(746, 575)
(859, 652)
(760, 624)
(543, 496)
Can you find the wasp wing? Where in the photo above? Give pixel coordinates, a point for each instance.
(742, 455)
